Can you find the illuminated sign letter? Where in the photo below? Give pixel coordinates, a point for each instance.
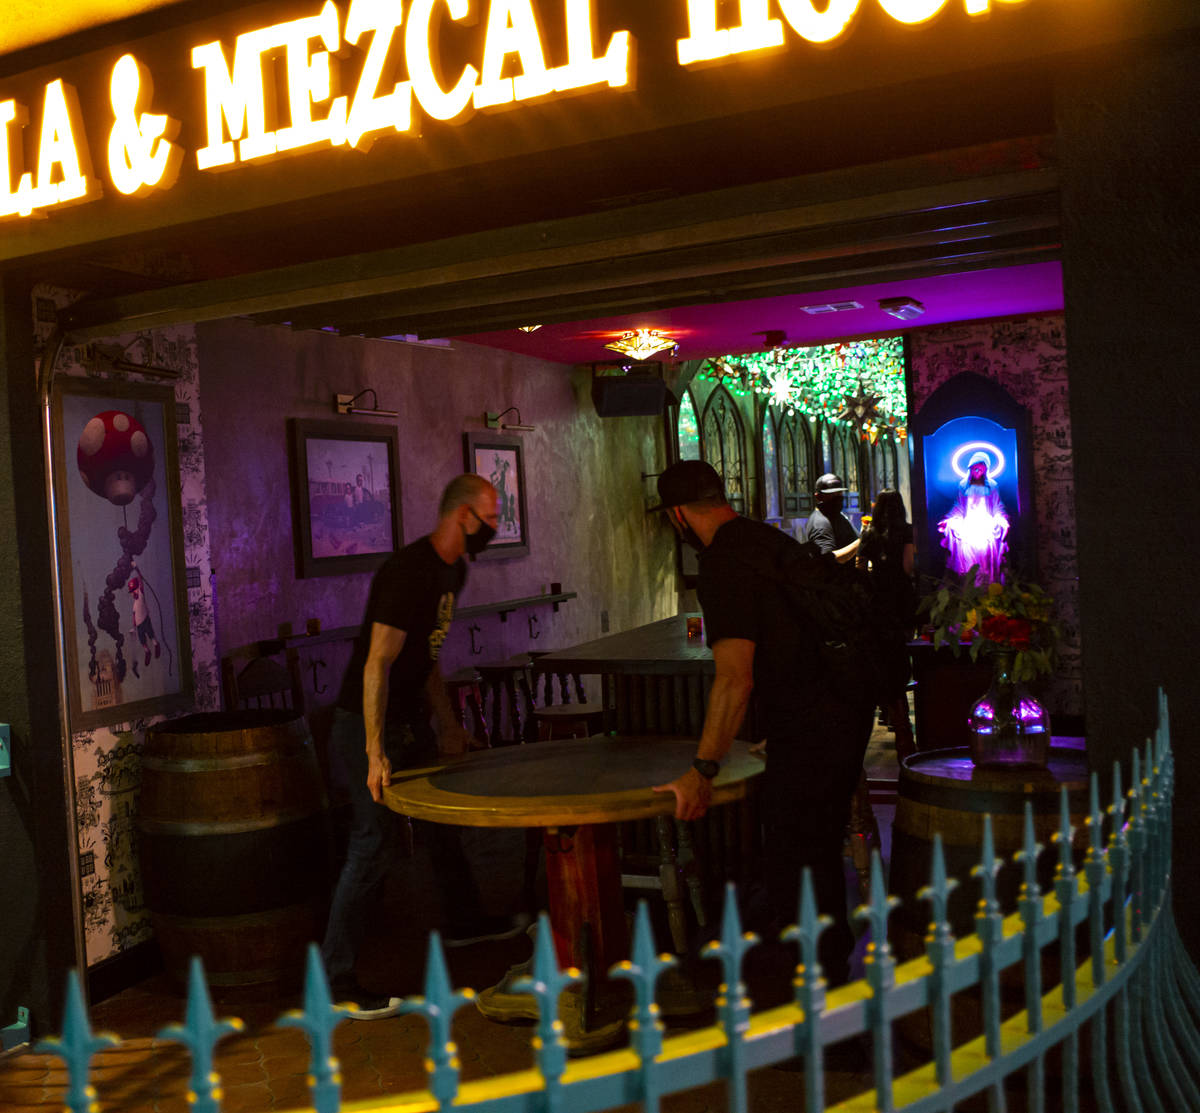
(706, 42)
(141, 155)
(19, 200)
(912, 11)
(583, 67)
(236, 99)
(309, 81)
(512, 29)
(820, 26)
(61, 121)
(436, 102)
(369, 112)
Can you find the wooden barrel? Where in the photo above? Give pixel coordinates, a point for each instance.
(942, 791)
(234, 844)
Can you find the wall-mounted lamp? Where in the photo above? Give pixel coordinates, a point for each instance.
(344, 404)
(492, 421)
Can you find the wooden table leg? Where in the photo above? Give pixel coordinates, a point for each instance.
(587, 916)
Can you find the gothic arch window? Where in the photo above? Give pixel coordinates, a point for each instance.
(723, 445)
(687, 428)
(825, 457)
(772, 503)
(795, 470)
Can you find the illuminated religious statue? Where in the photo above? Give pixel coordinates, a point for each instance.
(975, 530)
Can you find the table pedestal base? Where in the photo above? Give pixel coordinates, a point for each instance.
(587, 917)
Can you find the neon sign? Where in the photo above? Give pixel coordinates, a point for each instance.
(333, 86)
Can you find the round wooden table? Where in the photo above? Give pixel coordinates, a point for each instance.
(576, 790)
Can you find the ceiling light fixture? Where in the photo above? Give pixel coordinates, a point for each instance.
(529, 328)
(902, 308)
(642, 343)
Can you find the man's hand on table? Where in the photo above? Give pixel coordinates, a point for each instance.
(379, 774)
(693, 794)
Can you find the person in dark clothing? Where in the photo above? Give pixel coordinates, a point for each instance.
(391, 689)
(815, 743)
(886, 552)
(828, 528)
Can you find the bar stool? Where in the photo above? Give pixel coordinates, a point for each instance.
(510, 688)
(465, 689)
(581, 719)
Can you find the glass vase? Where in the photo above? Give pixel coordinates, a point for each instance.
(1008, 726)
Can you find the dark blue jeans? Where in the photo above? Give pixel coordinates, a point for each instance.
(376, 840)
(805, 798)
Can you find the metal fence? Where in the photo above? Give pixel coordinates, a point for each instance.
(1121, 1016)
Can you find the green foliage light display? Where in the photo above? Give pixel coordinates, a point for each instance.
(823, 381)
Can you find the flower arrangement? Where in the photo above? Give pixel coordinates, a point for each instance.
(1004, 617)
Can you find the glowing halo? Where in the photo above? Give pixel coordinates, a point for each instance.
(993, 472)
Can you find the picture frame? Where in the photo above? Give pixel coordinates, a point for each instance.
(500, 460)
(120, 551)
(345, 496)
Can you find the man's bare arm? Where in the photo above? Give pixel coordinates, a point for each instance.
(386, 643)
(727, 702)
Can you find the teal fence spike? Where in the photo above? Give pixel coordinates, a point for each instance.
(733, 1006)
(438, 1006)
(546, 984)
(809, 985)
(939, 946)
(1030, 907)
(76, 1046)
(880, 968)
(989, 926)
(989, 866)
(318, 1020)
(200, 1033)
(643, 971)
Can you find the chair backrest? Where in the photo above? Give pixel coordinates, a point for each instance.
(263, 681)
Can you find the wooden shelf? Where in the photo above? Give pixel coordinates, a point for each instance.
(269, 646)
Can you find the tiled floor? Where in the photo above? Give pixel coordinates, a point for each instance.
(266, 1067)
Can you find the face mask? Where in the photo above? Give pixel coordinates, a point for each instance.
(687, 534)
(831, 505)
(478, 541)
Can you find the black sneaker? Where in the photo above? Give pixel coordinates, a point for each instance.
(363, 1004)
(485, 929)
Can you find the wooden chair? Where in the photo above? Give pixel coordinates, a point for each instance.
(578, 718)
(509, 685)
(465, 689)
(264, 681)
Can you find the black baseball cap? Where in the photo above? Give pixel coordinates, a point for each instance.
(830, 484)
(688, 481)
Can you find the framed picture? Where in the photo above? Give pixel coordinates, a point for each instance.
(346, 496)
(120, 547)
(498, 459)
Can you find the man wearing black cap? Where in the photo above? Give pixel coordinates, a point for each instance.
(828, 528)
(815, 741)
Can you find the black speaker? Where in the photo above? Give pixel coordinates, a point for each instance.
(634, 395)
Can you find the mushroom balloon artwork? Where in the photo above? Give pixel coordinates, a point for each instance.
(116, 463)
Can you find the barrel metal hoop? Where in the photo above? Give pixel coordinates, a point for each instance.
(225, 827)
(211, 764)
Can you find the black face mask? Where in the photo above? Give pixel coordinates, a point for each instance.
(478, 541)
(831, 505)
(688, 535)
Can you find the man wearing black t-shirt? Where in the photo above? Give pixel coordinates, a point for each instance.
(382, 722)
(828, 528)
(815, 743)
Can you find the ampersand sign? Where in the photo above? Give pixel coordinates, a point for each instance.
(141, 155)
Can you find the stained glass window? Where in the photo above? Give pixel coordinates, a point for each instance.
(688, 429)
(723, 446)
(770, 467)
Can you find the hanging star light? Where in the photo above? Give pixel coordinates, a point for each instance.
(641, 343)
(861, 409)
